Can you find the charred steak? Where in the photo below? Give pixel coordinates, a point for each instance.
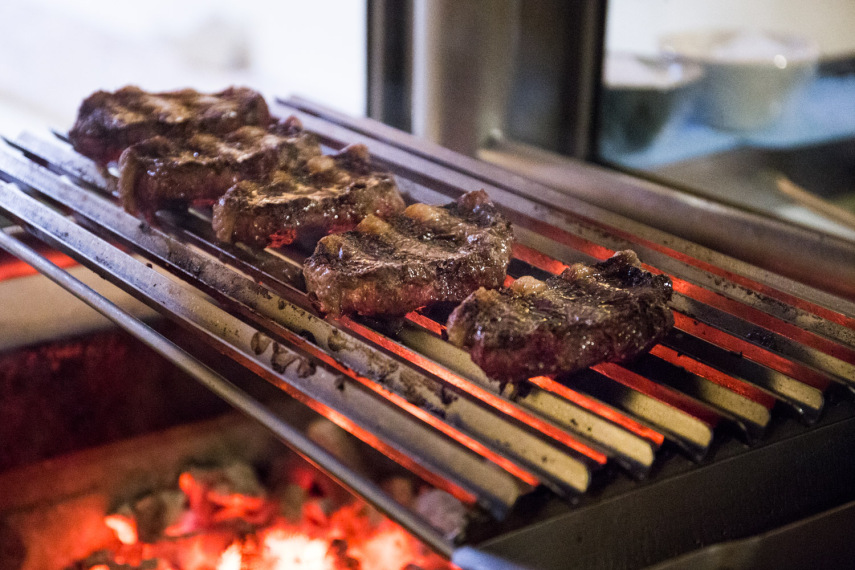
(321, 195)
(108, 123)
(609, 311)
(160, 171)
(425, 255)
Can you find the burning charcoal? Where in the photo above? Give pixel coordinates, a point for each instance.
(149, 513)
(105, 560)
(338, 552)
(148, 517)
(343, 446)
(230, 495)
(291, 498)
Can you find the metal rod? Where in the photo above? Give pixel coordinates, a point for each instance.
(551, 462)
(312, 452)
(572, 178)
(337, 396)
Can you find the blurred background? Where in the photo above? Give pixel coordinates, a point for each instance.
(746, 106)
(55, 53)
(788, 65)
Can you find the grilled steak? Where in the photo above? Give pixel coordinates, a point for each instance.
(425, 255)
(610, 311)
(321, 195)
(108, 123)
(161, 172)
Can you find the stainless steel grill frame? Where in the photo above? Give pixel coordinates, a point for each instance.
(750, 348)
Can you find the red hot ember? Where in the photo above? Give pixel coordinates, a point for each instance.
(224, 519)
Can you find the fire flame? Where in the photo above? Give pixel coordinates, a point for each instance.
(296, 551)
(228, 530)
(124, 527)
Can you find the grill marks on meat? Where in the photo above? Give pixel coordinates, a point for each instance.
(427, 254)
(161, 172)
(185, 147)
(610, 311)
(320, 195)
(108, 123)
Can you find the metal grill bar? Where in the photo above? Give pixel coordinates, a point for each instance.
(232, 394)
(638, 458)
(681, 393)
(594, 229)
(438, 177)
(806, 399)
(615, 441)
(787, 300)
(810, 406)
(332, 394)
(560, 470)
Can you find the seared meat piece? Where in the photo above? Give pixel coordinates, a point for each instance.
(160, 172)
(428, 254)
(322, 195)
(611, 311)
(108, 123)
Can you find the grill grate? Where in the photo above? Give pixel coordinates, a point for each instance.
(745, 342)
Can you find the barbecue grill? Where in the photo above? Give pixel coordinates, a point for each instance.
(741, 421)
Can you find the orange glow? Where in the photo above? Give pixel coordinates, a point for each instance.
(10, 268)
(764, 320)
(353, 536)
(389, 544)
(124, 527)
(538, 259)
(658, 392)
(290, 551)
(424, 322)
(283, 237)
(752, 352)
(598, 408)
(487, 397)
(736, 385)
(231, 559)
